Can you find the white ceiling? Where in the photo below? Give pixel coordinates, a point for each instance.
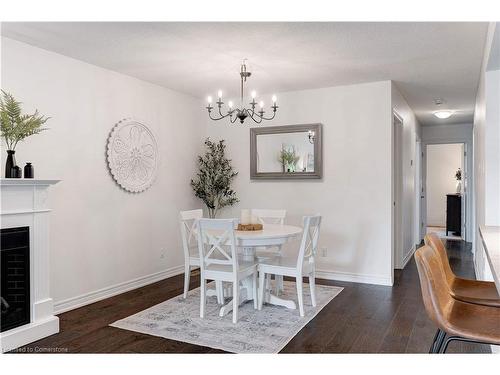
(426, 60)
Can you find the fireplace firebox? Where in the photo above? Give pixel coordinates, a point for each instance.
(15, 277)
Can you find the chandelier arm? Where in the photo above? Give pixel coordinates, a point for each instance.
(269, 118)
(217, 119)
(220, 112)
(251, 115)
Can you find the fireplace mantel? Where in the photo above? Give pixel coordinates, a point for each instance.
(25, 203)
(26, 182)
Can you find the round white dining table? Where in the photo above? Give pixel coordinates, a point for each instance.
(271, 235)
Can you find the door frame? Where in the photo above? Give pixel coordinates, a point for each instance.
(419, 190)
(397, 189)
(466, 183)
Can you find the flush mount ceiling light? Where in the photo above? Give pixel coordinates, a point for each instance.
(443, 114)
(241, 112)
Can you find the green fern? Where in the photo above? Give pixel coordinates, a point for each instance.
(16, 126)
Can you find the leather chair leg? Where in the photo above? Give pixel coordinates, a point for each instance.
(458, 338)
(434, 341)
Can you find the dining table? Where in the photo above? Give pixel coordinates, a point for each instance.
(490, 236)
(270, 236)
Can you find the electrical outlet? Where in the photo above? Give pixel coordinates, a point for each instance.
(162, 255)
(324, 251)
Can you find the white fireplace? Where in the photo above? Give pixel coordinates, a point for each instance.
(24, 203)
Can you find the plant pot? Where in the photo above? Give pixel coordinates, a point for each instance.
(10, 164)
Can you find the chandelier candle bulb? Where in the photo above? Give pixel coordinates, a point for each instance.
(254, 94)
(274, 99)
(261, 104)
(209, 100)
(230, 104)
(219, 94)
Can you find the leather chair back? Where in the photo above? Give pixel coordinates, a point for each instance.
(435, 288)
(435, 242)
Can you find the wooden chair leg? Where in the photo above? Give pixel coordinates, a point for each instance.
(236, 300)
(262, 288)
(187, 276)
(203, 297)
(312, 287)
(255, 298)
(300, 295)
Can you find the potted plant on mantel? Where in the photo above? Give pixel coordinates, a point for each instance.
(16, 127)
(213, 181)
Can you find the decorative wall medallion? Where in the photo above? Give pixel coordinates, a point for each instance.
(132, 155)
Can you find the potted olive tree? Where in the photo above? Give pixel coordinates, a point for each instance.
(15, 127)
(213, 180)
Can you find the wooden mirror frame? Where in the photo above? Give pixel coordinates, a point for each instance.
(318, 152)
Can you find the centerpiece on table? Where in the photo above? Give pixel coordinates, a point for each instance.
(15, 127)
(213, 180)
(249, 222)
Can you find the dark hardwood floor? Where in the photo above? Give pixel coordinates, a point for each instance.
(362, 319)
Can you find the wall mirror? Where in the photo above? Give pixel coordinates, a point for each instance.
(286, 152)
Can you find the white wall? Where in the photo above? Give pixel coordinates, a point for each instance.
(102, 236)
(455, 133)
(354, 195)
(486, 162)
(411, 132)
(443, 160)
(492, 148)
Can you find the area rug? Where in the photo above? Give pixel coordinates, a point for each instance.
(265, 331)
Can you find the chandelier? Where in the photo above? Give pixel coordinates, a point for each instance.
(241, 112)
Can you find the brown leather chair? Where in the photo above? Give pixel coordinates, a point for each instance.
(461, 321)
(466, 290)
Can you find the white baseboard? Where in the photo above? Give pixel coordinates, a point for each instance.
(97, 295)
(16, 337)
(408, 256)
(353, 277)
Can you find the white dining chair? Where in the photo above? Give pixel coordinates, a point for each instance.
(219, 260)
(297, 267)
(188, 222)
(269, 216)
(266, 216)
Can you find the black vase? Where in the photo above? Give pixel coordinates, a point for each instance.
(28, 171)
(17, 172)
(10, 164)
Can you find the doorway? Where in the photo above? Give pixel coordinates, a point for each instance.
(397, 191)
(445, 190)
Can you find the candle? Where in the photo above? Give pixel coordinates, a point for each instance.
(254, 219)
(245, 217)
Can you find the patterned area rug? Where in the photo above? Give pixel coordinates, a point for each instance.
(265, 331)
